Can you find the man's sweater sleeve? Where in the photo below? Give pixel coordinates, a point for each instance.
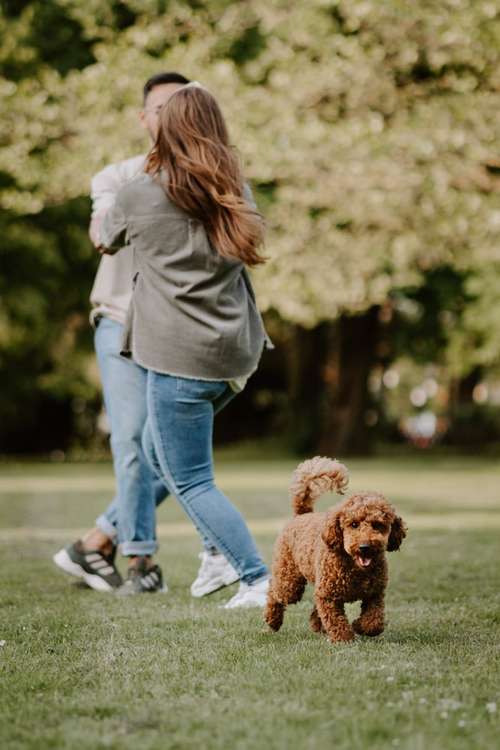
(106, 183)
(105, 186)
(112, 228)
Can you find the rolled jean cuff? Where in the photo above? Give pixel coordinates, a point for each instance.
(138, 549)
(104, 525)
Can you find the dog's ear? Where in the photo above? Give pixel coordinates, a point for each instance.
(398, 533)
(332, 531)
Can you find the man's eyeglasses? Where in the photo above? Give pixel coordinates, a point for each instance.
(154, 110)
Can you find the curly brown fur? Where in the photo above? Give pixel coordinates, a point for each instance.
(341, 552)
(314, 477)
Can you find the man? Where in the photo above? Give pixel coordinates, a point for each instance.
(124, 385)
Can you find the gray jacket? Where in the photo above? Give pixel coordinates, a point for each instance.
(193, 313)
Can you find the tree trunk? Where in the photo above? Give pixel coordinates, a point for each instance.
(462, 390)
(343, 427)
(307, 357)
(469, 424)
(328, 385)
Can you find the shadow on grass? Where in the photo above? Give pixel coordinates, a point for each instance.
(80, 586)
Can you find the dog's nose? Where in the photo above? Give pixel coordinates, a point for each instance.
(364, 547)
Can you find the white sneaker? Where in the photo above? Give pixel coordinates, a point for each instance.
(215, 572)
(249, 595)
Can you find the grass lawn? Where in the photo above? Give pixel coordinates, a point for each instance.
(89, 671)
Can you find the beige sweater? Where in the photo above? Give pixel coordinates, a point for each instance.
(112, 289)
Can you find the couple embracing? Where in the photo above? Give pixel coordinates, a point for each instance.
(177, 334)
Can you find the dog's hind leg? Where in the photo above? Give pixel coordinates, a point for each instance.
(274, 613)
(280, 594)
(287, 587)
(315, 622)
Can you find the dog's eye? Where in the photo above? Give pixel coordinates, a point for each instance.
(379, 526)
(354, 525)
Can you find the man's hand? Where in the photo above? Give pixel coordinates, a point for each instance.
(94, 228)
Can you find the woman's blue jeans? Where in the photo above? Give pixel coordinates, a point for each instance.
(177, 440)
(131, 517)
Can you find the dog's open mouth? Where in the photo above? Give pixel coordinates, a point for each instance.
(363, 559)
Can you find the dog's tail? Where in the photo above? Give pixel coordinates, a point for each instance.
(314, 477)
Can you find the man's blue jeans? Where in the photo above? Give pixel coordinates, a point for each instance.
(131, 515)
(178, 442)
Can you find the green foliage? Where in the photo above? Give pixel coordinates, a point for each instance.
(368, 129)
(46, 34)
(427, 316)
(44, 332)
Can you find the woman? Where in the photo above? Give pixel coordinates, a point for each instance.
(193, 323)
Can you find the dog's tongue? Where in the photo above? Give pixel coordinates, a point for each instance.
(364, 561)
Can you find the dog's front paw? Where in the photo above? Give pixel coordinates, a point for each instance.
(370, 628)
(341, 635)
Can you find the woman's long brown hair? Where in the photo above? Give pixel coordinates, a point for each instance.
(200, 172)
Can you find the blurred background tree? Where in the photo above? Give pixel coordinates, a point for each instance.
(370, 132)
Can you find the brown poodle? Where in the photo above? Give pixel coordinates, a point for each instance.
(341, 552)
